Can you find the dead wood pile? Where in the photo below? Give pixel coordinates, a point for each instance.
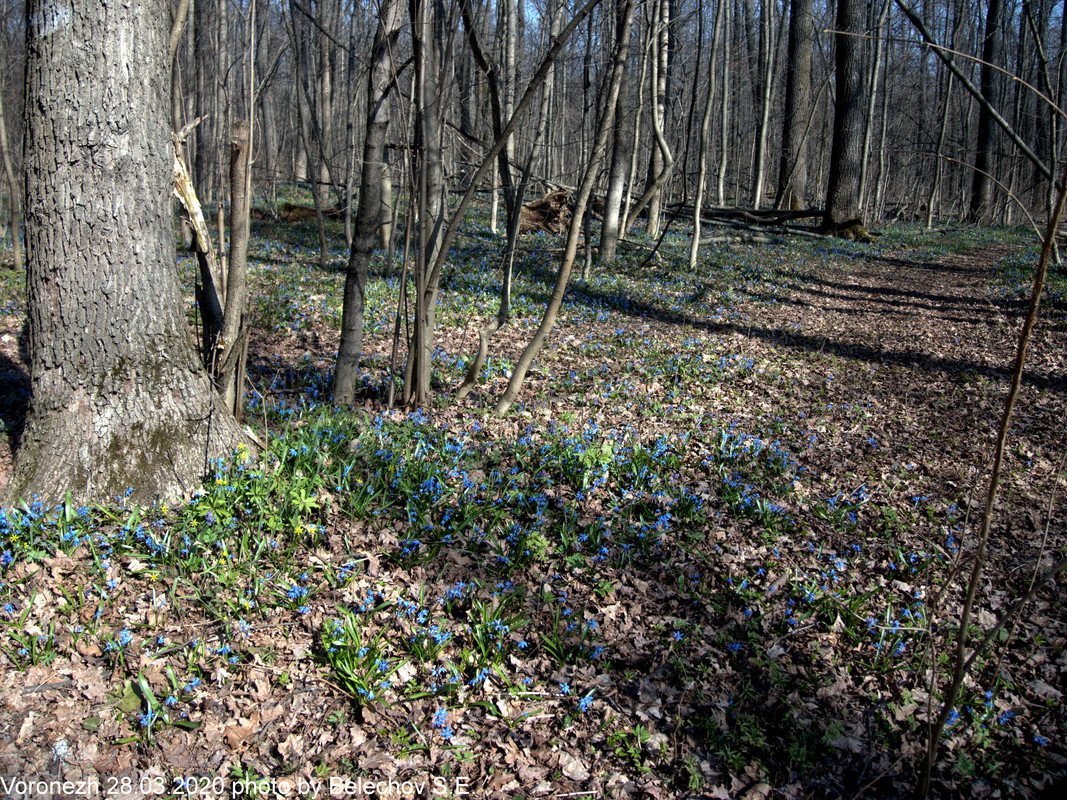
(291, 212)
(550, 214)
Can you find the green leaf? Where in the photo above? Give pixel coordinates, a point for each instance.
(130, 700)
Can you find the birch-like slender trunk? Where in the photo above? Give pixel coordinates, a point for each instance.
(705, 138)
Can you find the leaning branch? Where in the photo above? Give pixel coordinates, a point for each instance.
(487, 161)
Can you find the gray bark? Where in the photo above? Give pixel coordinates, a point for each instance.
(368, 220)
(119, 399)
(620, 158)
(982, 183)
(793, 165)
(14, 190)
(843, 190)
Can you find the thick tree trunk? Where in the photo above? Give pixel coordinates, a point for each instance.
(369, 214)
(119, 399)
(843, 191)
(982, 182)
(793, 165)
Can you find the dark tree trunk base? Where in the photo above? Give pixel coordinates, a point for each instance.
(853, 230)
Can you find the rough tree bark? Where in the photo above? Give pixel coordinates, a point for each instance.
(982, 181)
(842, 217)
(793, 165)
(229, 368)
(119, 399)
(368, 220)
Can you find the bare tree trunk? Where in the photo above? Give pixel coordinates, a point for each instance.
(609, 230)
(368, 221)
(872, 96)
(658, 168)
(705, 138)
(386, 217)
(767, 50)
(646, 54)
(14, 190)
(981, 183)
(724, 119)
(516, 194)
(118, 398)
(843, 214)
(427, 45)
(204, 133)
(230, 345)
(793, 165)
(654, 189)
(268, 124)
(935, 189)
(585, 188)
(304, 116)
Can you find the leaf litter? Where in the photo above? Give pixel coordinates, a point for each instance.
(713, 552)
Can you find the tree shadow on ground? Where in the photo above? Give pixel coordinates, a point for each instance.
(908, 357)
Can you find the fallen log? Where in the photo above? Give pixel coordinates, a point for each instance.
(751, 215)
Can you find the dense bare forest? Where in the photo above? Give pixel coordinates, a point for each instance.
(762, 74)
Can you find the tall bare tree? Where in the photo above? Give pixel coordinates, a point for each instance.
(570, 251)
(793, 163)
(14, 190)
(368, 216)
(982, 182)
(843, 215)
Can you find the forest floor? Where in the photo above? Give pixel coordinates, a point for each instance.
(715, 551)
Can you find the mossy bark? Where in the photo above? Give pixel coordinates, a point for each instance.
(120, 399)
